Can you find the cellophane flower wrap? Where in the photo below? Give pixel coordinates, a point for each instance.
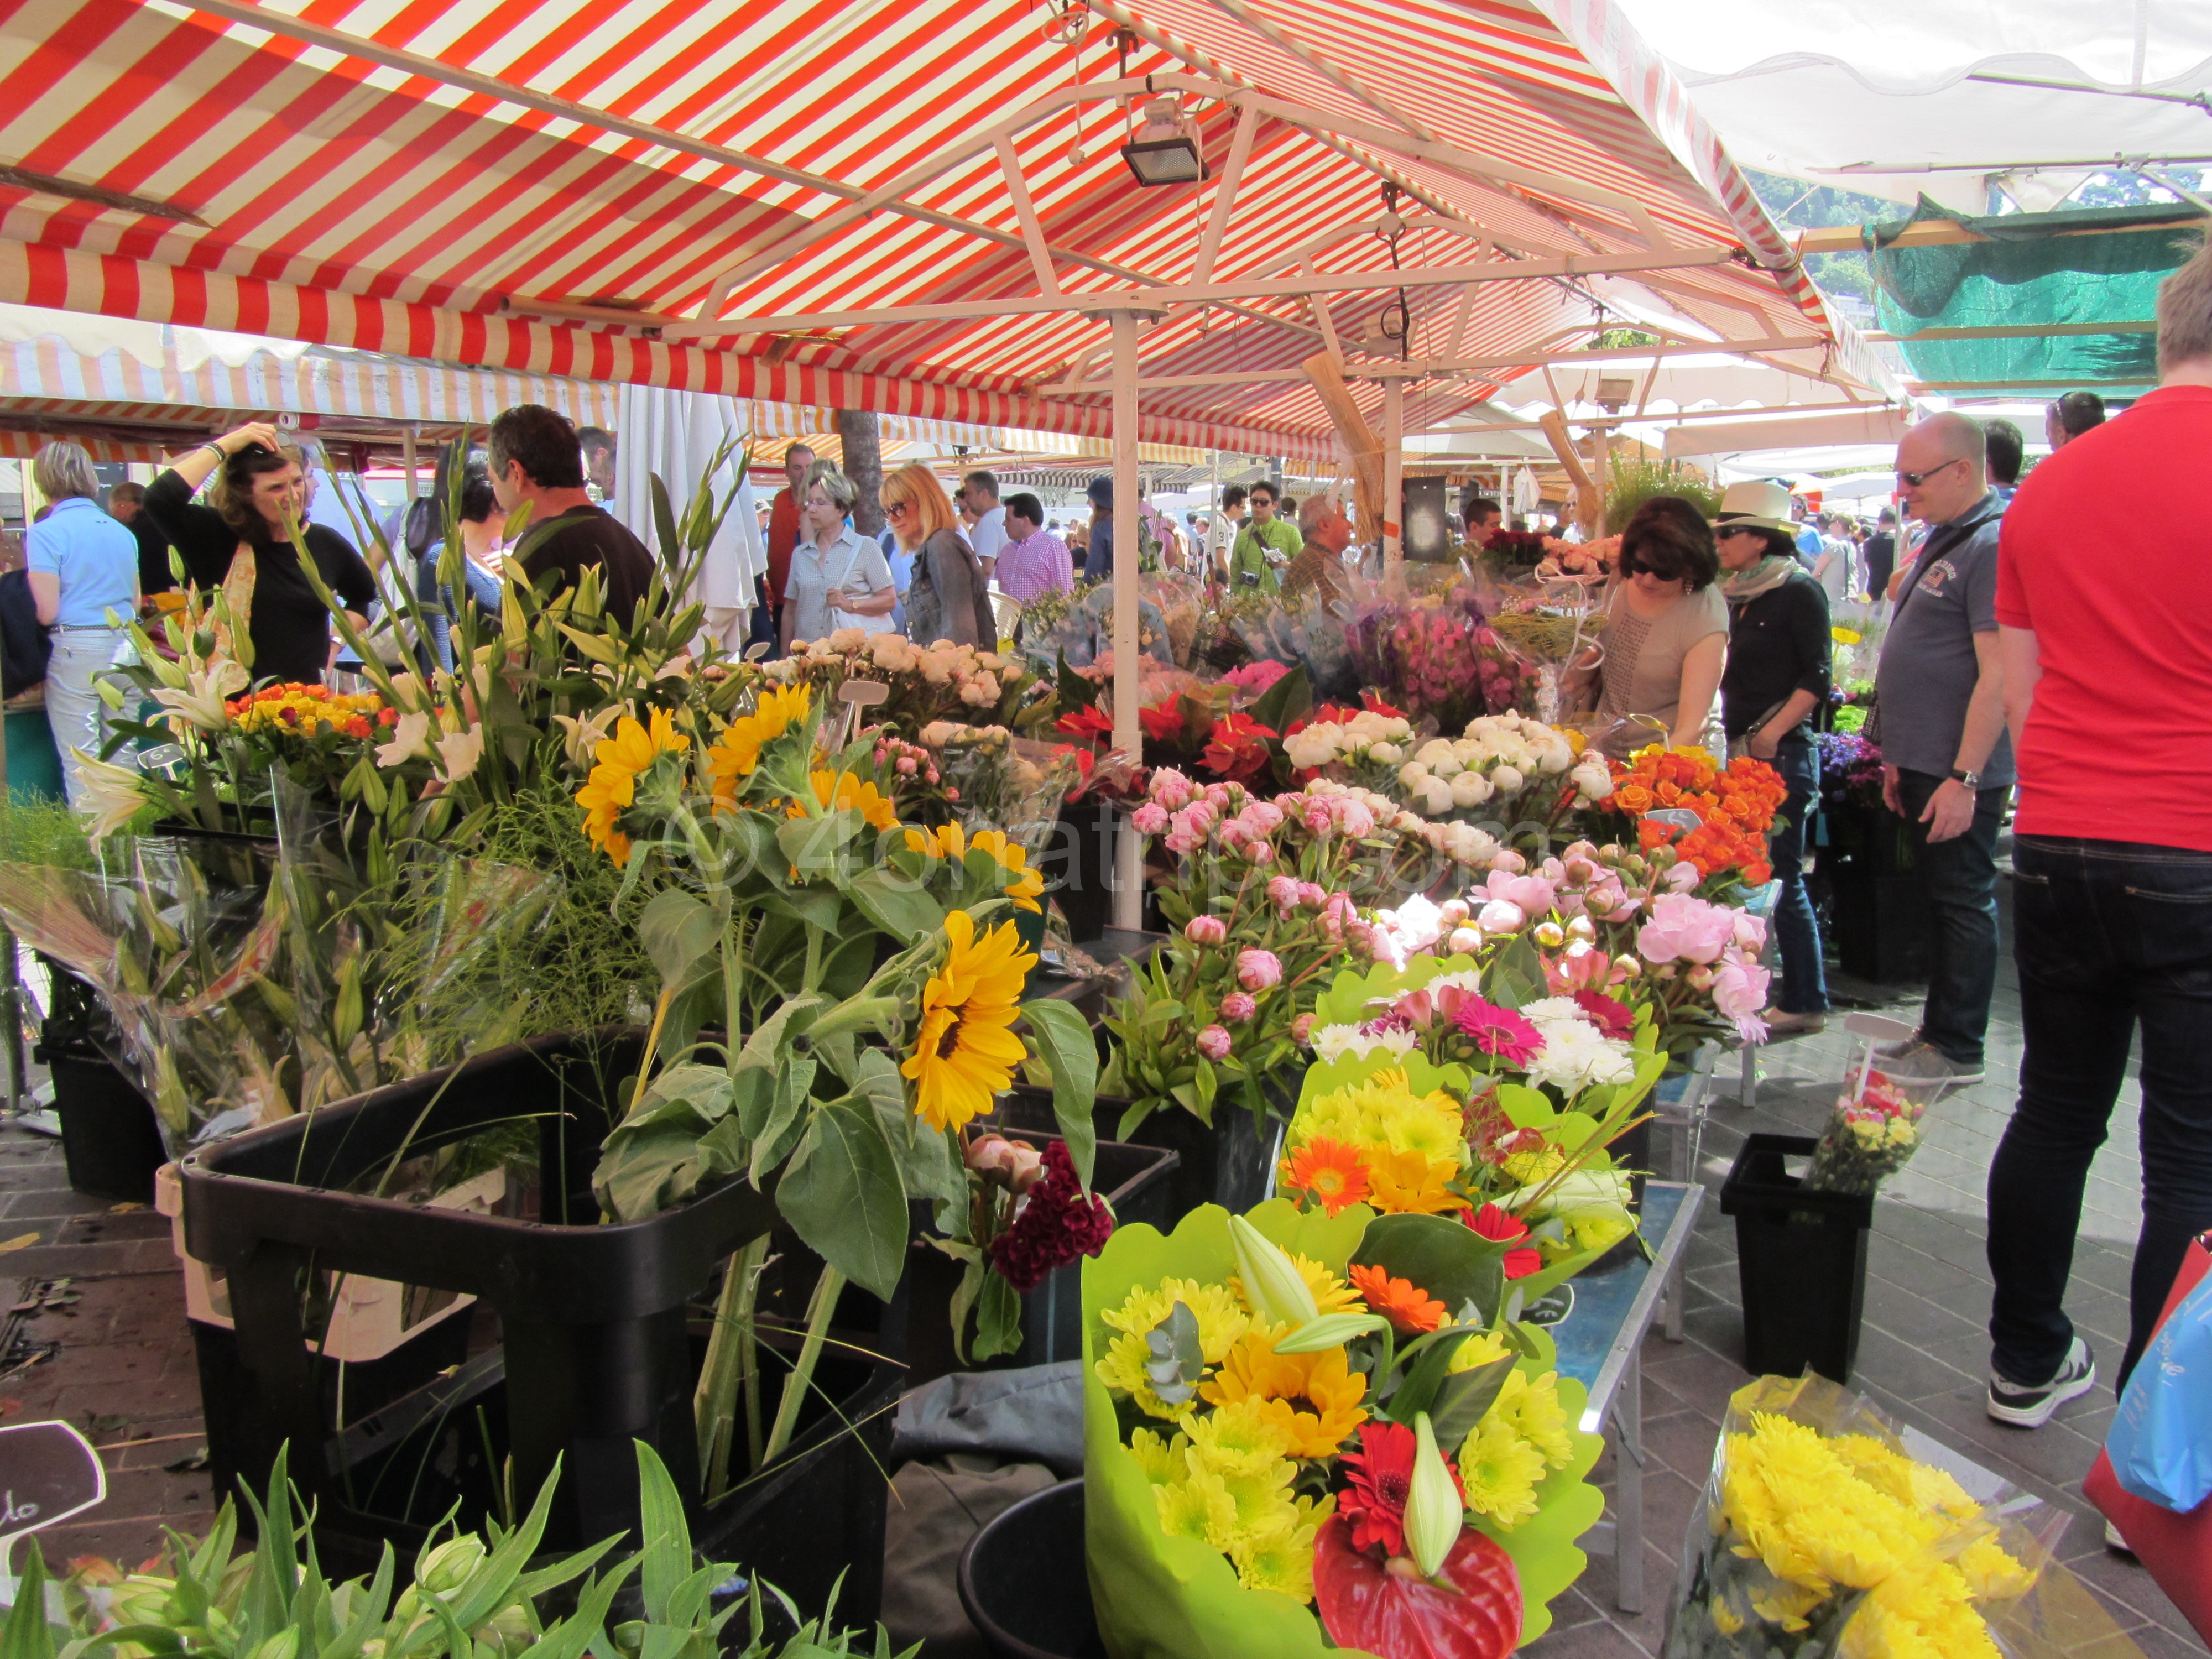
(1873, 1130)
(1248, 1478)
(1820, 1534)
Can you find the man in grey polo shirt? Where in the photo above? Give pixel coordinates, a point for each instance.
(1946, 763)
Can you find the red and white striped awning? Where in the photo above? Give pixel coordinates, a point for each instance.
(532, 189)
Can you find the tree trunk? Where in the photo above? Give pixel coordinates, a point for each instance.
(864, 465)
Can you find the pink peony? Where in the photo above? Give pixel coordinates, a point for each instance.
(1352, 818)
(1205, 930)
(1312, 895)
(1533, 895)
(1283, 893)
(1338, 913)
(1739, 993)
(1263, 816)
(1315, 814)
(1238, 1004)
(1171, 789)
(1609, 900)
(1258, 970)
(1750, 932)
(1261, 852)
(1214, 1043)
(1150, 819)
(1501, 916)
(1510, 862)
(1681, 878)
(1685, 929)
(1302, 1027)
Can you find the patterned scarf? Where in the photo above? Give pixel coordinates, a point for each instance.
(1741, 586)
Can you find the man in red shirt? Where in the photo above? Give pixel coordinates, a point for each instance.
(2104, 589)
(783, 527)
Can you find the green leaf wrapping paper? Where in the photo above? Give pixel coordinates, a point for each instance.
(1163, 1597)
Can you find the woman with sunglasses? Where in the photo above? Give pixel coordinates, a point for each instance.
(1666, 632)
(948, 598)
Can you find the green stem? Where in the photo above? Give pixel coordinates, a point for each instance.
(729, 1369)
(819, 1311)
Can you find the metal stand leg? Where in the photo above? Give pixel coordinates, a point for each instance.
(1628, 1490)
(1747, 1094)
(1671, 1298)
(11, 1011)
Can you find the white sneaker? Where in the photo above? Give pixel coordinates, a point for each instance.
(2026, 1408)
(2114, 1542)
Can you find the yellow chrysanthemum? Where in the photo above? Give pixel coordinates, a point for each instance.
(1926, 1610)
(1411, 1183)
(1314, 1397)
(1992, 1573)
(1283, 1561)
(1196, 1507)
(1800, 1508)
(842, 792)
(1161, 1459)
(612, 787)
(1222, 1322)
(1483, 1348)
(964, 1054)
(1530, 1408)
(736, 753)
(1382, 1111)
(1240, 1438)
(1499, 1470)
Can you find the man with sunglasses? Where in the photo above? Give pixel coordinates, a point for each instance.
(1947, 764)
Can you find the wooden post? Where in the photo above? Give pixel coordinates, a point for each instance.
(1393, 478)
(861, 436)
(407, 441)
(1129, 678)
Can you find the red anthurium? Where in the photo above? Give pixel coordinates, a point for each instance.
(1091, 722)
(1162, 721)
(1492, 1222)
(1374, 705)
(1238, 748)
(1386, 1608)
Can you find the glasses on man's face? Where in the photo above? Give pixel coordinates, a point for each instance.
(1914, 480)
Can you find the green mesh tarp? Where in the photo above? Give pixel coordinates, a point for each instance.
(2026, 274)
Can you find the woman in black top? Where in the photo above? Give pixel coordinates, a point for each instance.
(261, 488)
(1778, 673)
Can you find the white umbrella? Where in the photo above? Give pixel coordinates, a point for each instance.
(674, 435)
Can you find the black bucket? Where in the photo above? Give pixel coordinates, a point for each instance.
(110, 1140)
(1801, 1257)
(1230, 1161)
(1025, 1583)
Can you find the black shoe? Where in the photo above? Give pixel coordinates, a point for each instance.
(2026, 1408)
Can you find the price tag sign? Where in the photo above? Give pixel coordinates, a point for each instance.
(48, 1472)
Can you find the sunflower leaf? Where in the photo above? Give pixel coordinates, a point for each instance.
(842, 1192)
(998, 1319)
(1069, 1048)
(896, 905)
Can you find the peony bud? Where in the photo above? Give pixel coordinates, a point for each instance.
(1025, 1167)
(1302, 1027)
(1272, 1284)
(1434, 1509)
(1700, 977)
(1464, 941)
(1261, 852)
(1238, 1005)
(1582, 929)
(1214, 1043)
(1150, 819)
(1501, 916)
(1550, 935)
(1205, 930)
(1258, 970)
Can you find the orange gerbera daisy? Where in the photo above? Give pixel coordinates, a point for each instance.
(1409, 1307)
(1330, 1172)
(1412, 1183)
(1314, 1398)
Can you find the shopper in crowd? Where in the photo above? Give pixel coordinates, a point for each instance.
(987, 519)
(1221, 534)
(481, 524)
(1809, 535)
(1881, 551)
(1779, 674)
(599, 447)
(1947, 765)
(1834, 566)
(784, 511)
(1485, 519)
(838, 578)
(1098, 542)
(2007, 450)
(1264, 543)
(84, 580)
(948, 598)
(536, 458)
(2105, 690)
(1035, 560)
(2069, 416)
(1666, 632)
(242, 542)
(126, 505)
(1319, 566)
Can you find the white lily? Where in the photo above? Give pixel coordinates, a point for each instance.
(458, 753)
(198, 703)
(1434, 1513)
(409, 738)
(114, 794)
(581, 738)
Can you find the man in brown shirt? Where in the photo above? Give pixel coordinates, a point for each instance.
(536, 457)
(1319, 562)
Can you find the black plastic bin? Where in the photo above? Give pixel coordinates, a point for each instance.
(111, 1142)
(1137, 1181)
(1024, 1583)
(1079, 866)
(596, 1348)
(1801, 1259)
(1230, 1161)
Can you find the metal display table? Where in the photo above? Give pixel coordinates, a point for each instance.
(1601, 1345)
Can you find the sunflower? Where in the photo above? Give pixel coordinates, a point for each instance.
(1330, 1172)
(736, 753)
(1408, 1308)
(612, 786)
(1026, 884)
(1412, 1183)
(964, 1054)
(840, 792)
(945, 841)
(1314, 1396)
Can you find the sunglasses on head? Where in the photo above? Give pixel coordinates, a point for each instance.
(1914, 480)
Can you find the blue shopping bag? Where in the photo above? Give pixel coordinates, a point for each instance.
(2161, 1440)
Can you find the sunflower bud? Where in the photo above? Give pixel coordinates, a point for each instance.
(1434, 1514)
(1272, 1284)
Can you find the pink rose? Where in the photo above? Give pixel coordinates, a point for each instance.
(1685, 929)
(1283, 893)
(1258, 970)
(1238, 1004)
(1150, 819)
(1205, 930)
(1214, 1043)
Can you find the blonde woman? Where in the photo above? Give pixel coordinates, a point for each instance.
(948, 598)
(838, 578)
(242, 542)
(84, 570)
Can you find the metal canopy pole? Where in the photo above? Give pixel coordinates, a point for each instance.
(1128, 735)
(1393, 478)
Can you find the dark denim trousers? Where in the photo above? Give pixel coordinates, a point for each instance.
(2108, 935)
(1804, 988)
(1959, 884)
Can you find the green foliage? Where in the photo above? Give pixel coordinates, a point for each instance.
(37, 830)
(1635, 480)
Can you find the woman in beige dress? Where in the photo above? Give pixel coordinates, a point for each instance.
(1666, 633)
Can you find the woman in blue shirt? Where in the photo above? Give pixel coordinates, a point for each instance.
(84, 569)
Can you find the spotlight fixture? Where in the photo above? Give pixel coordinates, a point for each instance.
(1165, 149)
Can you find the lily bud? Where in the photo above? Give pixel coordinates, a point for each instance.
(1434, 1514)
(1329, 1331)
(1272, 1284)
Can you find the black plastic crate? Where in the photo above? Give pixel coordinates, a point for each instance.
(1800, 1259)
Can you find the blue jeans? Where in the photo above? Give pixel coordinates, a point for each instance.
(1797, 929)
(2108, 935)
(1959, 884)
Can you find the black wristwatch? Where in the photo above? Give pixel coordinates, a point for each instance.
(1972, 780)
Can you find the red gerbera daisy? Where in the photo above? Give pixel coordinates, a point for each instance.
(1611, 1017)
(1382, 1474)
(1491, 1223)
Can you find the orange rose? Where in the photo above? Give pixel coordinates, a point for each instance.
(1633, 798)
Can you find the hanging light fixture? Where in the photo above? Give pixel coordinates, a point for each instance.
(1165, 149)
